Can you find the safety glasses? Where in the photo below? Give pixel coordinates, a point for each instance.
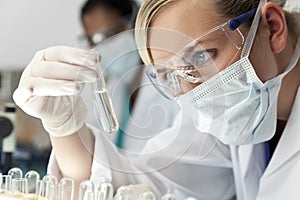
(200, 59)
(97, 37)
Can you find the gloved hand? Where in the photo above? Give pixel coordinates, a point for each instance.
(51, 84)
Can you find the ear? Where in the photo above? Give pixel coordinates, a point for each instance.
(273, 18)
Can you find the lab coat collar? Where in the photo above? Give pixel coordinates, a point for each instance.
(289, 143)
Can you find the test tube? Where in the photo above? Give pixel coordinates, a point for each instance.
(19, 187)
(66, 189)
(6, 183)
(190, 198)
(39, 187)
(104, 105)
(86, 190)
(1, 182)
(15, 173)
(48, 187)
(33, 177)
(169, 197)
(105, 191)
(147, 196)
(51, 192)
(124, 193)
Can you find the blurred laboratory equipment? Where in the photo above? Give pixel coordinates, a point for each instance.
(7, 135)
(27, 144)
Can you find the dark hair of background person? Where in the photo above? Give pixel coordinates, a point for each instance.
(126, 8)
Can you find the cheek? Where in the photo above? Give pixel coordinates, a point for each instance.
(263, 60)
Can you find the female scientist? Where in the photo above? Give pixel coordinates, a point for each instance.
(232, 65)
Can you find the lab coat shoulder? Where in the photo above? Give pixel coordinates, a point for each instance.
(281, 179)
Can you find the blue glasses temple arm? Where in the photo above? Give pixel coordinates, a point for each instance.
(236, 22)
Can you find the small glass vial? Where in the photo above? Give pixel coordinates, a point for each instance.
(104, 105)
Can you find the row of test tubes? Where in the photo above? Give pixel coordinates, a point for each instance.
(30, 187)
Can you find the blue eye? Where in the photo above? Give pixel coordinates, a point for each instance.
(202, 57)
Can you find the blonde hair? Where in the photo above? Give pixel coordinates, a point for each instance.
(226, 8)
(147, 12)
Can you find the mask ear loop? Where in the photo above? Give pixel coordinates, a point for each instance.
(253, 30)
(294, 60)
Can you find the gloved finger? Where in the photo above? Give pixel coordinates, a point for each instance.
(38, 57)
(72, 55)
(21, 96)
(52, 87)
(64, 71)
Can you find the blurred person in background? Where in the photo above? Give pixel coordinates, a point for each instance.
(107, 25)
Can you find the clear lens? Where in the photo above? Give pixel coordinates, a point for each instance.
(196, 62)
(165, 82)
(101, 35)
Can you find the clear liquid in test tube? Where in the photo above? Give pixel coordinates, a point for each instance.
(104, 105)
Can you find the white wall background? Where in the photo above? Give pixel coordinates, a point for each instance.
(30, 25)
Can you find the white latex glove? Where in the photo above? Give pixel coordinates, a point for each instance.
(50, 88)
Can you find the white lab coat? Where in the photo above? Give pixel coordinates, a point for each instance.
(179, 160)
(152, 114)
(221, 172)
(281, 179)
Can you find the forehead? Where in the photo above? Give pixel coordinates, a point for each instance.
(178, 24)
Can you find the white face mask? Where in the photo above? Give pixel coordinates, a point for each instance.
(234, 105)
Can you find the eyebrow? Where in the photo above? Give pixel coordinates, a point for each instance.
(160, 57)
(201, 42)
(189, 46)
